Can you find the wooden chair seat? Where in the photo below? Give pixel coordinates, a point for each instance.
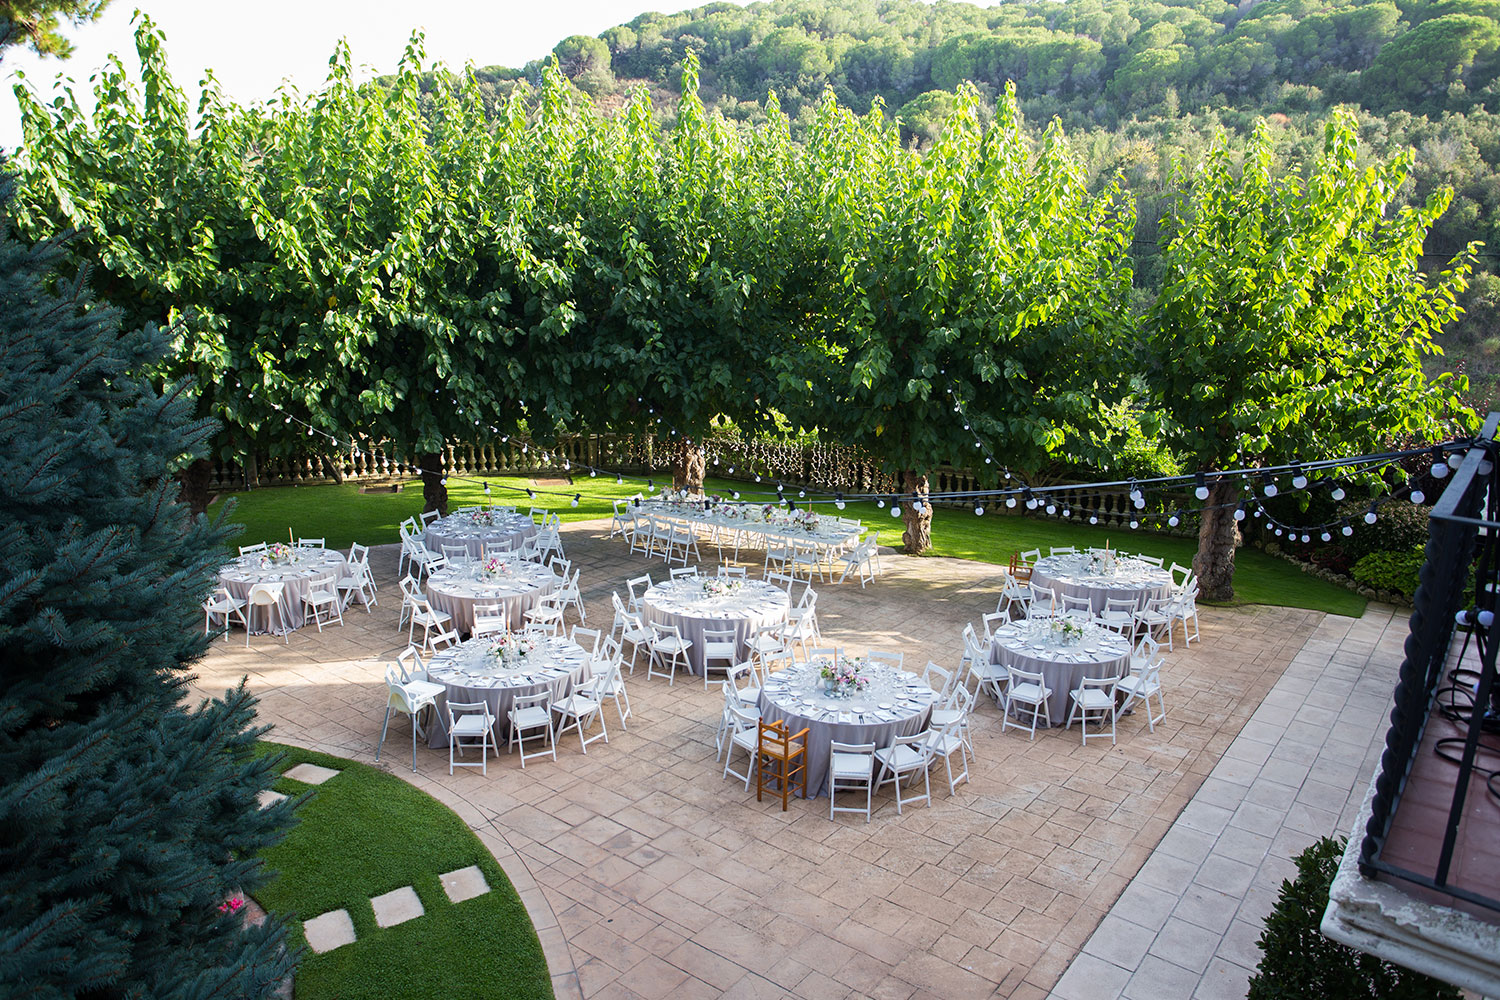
(782, 759)
(1018, 569)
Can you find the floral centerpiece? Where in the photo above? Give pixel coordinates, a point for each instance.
(512, 647)
(843, 676)
(493, 566)
(278, 552)
(1067, 631)
(714, 587)
(768, 512)
(1102, 563)
(808, 519)
(484, 516)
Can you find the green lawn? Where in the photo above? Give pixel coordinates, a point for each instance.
(364, 833)
(342, 514)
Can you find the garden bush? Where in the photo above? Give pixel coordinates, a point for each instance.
(1395, 571)
(1401, 526)
(1301, 964)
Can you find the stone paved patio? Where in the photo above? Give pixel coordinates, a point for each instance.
(645, 874)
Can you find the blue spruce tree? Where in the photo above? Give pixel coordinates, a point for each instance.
(127, 816)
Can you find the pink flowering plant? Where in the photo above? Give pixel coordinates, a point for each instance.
(494, 566)
(232, 905)
(512, 646)
(844, 676)
(714, 587)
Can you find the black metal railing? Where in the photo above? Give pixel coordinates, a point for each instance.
(1456, 598)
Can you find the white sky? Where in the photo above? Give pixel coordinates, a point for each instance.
(253, 47)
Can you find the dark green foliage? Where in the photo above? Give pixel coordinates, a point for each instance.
(1390, 570)
(126, 818)
(1401, 526)
(1301, 964)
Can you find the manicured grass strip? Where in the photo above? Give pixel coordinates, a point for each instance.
(342, 515)
(364, 833)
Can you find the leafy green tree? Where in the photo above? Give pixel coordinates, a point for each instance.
(1293, 320)
(35, 23)
(126, 817)
(983, 271)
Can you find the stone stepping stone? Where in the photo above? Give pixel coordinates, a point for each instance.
(466, 883)
(328, 931)
(267, 798)
(397, 907)
(310, 774)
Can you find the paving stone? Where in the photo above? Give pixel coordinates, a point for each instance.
(397, 907)
(266, 798)
(466, 883)
(310, 774)
(328, 931)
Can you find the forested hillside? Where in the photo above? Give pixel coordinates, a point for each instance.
(1136, 83)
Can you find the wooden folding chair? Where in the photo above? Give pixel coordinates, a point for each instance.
(781, 759)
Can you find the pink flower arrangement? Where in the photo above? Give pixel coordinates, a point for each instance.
(232, 905)
(843, 676)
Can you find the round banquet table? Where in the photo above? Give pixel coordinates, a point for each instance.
(747, 522)
(471, 672)
(1132, 579)
(896, 703)
(476, 532)
(457, 589)
(306, 565)
(686, 604)
(1032, 645)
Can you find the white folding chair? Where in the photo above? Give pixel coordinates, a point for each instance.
(667, 651)
(1094, 698)
(530, 718)
(323, 601)
(578, 711)
(851, 766)
(1028, 691)
(246, 550)
(1142, 685)
(720, 651)
(428, 516)
(587, 638)
(886, 658)
(944, 741)
(223, 604)
(358, 579)
(422, 614)
(637, 588)
(268, 596)
(683, 572)
(744, 733)
(470, 721)
(409, 702)
(613, 684)
(310, 543)
(905, 758)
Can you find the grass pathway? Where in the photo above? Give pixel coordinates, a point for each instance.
(370, 845)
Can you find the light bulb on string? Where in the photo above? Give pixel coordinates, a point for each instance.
(1338, 491)
(1305, 539)
(1370, 516)
(895, 510)
(1052, 508)
(577, 497)
(1455, 459)
(619, 480)
(1174, 520)
(650, 486)
(736, 494)
(979, 510)
(1239, 513)
(1201, 491)
(1299, 481)
(1010, 501)
(486, 489)
(593, 473)
(1346, 530)
(1093, 519)
(1067, 512)
(1417, 496)
(1269, 485)
(1325, 536)
(880, 503)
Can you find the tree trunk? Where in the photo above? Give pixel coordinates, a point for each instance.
(1218, 535)
(434, 493)
(918, 534)
(194, 481)
(687, 471)
(335, 468)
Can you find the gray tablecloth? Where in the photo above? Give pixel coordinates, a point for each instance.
(471, 673)
(786, 698)
(456, 591)
(749, 521)
(240, 575)
(1132, 579)
(474, 533)
(1033, 646)
(685, 604)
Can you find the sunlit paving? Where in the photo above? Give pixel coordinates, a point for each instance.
(812, 498)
